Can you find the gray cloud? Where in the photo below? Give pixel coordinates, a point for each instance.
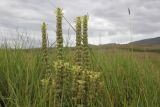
(107, 17)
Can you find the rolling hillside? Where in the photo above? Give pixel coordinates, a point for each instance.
(151, 41)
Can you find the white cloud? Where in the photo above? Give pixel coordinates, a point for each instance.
(108, 19)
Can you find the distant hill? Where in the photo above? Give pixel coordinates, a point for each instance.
(146, 45)
(151, 41)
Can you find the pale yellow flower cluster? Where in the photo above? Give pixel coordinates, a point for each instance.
(75, 81)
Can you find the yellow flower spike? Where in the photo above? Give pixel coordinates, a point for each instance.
(86, 54)
(44, 49)
(78, 51)
(59, 37)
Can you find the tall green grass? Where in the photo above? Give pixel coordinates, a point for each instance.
(128, 81)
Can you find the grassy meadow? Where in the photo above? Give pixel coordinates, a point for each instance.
(129, 78)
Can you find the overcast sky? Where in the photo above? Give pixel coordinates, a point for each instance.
(109, 21)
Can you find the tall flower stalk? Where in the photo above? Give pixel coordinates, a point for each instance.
(78, 54)
(44, 48)
(86, 60)
(59, 36)
(59, 72)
